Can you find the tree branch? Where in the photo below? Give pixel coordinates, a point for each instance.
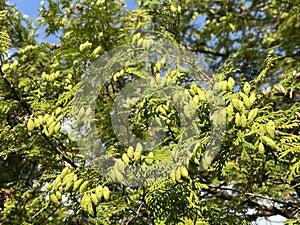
(15, 92)
(206, 51)
(30, 112)
(264, 209)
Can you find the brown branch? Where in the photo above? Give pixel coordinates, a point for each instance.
(272, 209)
(30, 112)
(255, 216)
(258, 196)
(137, 213)
(198, 50)
(15, 92)
(265, 210)
(58, 151)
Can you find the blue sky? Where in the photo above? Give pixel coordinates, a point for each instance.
(30, 8)
(27, 8)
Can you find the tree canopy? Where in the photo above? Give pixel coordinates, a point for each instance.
(63, 158)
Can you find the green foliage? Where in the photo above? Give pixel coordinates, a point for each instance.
(4, 38)
(253, 46)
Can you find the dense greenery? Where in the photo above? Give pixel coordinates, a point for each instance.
(253, 47)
